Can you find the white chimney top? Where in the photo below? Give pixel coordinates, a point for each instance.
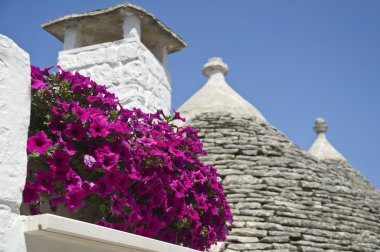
(123, 47)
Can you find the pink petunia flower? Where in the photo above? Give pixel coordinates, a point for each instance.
(39, 143)
(59, 161)
(81, 113)
(118, 204)
(76, 131)
(39, 84)
(74, 196)
(45, 181)
(106, 157)
(30, 192)
(99, 126)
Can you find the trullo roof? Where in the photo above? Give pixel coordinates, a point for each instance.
(283, 199)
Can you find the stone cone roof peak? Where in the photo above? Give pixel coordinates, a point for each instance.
(322, 148)
(217, 96)
(214, 67)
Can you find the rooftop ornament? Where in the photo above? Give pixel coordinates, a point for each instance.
(322, 148)
(216, 96)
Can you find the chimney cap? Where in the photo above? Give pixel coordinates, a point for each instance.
(106, 25)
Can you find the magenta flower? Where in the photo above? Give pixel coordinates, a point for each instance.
(121, 127)
(76, 131)
(34, 209)
(89, 187)
(72, 179)
(104, 188)
(57, 126)
(133, 218)
(201, 201)
(59, 161)
(118, 204)
(177, 116)
(106, 158)
(99, 127)
(66, 146)
(45, 180)
(192, 213)
(158, 198)
(39, 84)
(37, 74)
(57, 111)
(153, 227)
(57, 199)
(147, 142)
(178, 188)
(81, 113)
(30, 192)
(39, 143)
(74, 197)
(167, 236)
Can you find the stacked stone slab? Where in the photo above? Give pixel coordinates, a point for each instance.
(283, 199)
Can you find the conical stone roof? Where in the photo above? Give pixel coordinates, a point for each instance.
(282, 198)
(324, 151)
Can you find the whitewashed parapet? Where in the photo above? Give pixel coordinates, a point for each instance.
(14, 123)
(127, 68)
(46, 233)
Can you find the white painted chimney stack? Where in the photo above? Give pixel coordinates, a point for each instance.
(123, 47)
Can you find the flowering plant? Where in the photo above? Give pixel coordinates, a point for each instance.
(139, 172)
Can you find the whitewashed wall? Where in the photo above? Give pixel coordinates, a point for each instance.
(14, 123)
(127, 68)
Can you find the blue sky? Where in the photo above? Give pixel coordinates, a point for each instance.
(293, 60)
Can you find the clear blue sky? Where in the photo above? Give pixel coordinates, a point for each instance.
(294, 60)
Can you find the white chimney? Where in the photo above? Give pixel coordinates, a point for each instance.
(123, 47)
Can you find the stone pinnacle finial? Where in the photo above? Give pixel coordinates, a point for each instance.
(215, 65)
(322, 148)
(320, 125)
(216, 96)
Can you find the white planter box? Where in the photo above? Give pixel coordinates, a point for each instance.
(51, 233)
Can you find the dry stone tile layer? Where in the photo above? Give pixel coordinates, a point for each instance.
(284, 199)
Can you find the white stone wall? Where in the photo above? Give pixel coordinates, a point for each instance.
(14, 123)
(127, 68)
